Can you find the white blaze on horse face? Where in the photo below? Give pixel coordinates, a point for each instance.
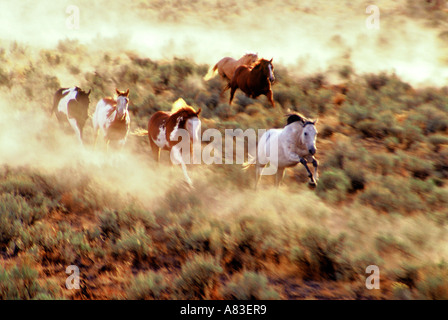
(308, 138)
(122, 105)
(271, 73)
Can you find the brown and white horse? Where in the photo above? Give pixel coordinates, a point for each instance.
(164, 129)
(254, 81)
(112, 117)
(226, 66)
(72, 104)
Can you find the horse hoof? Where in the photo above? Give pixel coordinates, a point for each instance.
(312, 184)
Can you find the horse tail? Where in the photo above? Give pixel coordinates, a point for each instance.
(139, 132)
(211, 73)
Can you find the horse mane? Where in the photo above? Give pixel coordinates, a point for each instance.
(181, 110)
(297, 117)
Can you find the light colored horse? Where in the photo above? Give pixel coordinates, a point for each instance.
(296, 143)
(112, 117)
(226, 66)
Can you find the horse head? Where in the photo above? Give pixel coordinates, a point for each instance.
(122, 103)
(267, 68)
(309, 135)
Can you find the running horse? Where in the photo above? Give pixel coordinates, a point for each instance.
(164, 127)
(254, 81)
(112, 117)
(72, 104)
(295, 143)
(226, 66)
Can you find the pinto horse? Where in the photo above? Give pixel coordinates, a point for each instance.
(72, 104)
(164, 127)
(112, 117)
(295, 143)
(226, 66)
(254, 81)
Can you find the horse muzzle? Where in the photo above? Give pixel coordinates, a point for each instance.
(272, 79)
(312, 151)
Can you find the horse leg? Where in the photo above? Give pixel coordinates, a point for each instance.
(310, 175)
(155, 150)
(232, 93)
(269, 95)
(279, 176)
(178, 157)
(74, 125)
(315, 165)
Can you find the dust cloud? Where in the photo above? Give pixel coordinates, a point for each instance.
(307, 36)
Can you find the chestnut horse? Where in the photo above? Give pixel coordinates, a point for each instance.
(226, 66)
(254, 81)
(164, 129)
(112, 117)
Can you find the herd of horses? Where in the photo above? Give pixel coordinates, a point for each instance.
(254, 76)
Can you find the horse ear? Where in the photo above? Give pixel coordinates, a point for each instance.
(199, 111)
(315, 121)
(127, 92)
(117, 91)
(271, 60)
(88, 93)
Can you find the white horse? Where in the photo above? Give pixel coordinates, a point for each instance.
(295, 143)
(112, 117)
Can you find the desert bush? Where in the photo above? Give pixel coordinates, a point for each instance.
(21, 282)
(242, 247)
(148, 285)
(334, 185)
(388, 243)
(433, 284)
(420, 168)
(318, 255)
(437, 141)
(198, 278)
(137, 244)
(376, 81)
(249, 286)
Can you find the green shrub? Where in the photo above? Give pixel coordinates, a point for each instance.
(198, 278)
(433, 284)
(249, 286)
(333, 185)
(319, 255)
(21, 282)
(136, 243)
(149, 285)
